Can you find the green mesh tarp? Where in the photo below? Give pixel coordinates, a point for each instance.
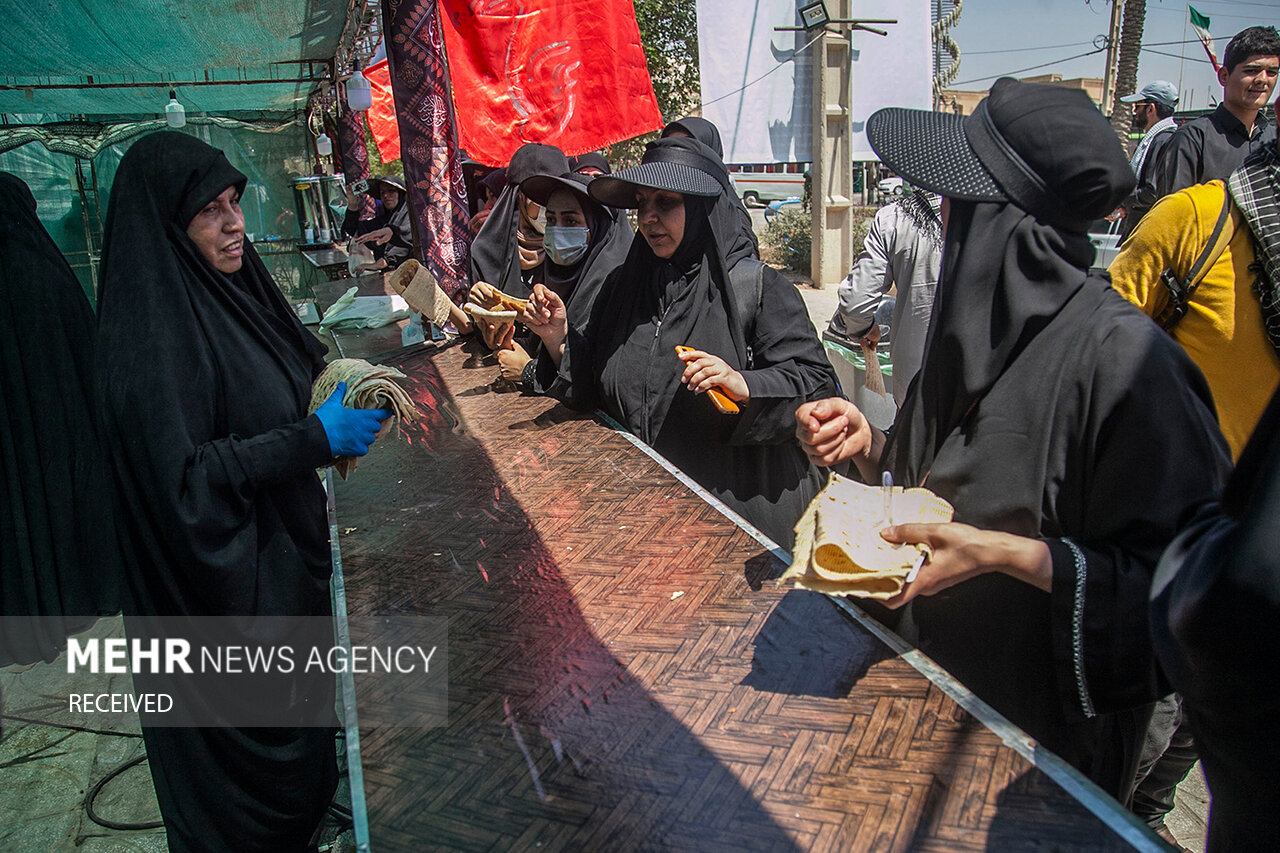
(74, 218)
(84, 44)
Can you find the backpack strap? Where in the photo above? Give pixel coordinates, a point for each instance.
(746, 284)
(1181, 290)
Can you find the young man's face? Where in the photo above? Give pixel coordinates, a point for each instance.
(1249, 85)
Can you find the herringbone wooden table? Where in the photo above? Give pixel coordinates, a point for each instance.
(593, 708)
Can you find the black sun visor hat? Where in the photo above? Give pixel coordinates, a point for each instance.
(1046, 149)
(667, 165)
(390, 180)
(539, 188)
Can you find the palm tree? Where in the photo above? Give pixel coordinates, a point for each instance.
(1135, 13)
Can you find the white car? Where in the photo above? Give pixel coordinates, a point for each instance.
(892, 186)
(1105, 237)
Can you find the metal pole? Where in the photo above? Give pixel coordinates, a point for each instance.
(1113, 54)
(831, 252)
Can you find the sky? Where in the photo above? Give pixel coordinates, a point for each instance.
(1003, 37)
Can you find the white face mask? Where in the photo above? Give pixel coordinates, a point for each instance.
(566, 245)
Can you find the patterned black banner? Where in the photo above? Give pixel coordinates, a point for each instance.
(428, 139)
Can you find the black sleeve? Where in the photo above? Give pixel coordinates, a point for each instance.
(353, 225)
(401, 245)
(395, 254)
(1182, 160)
(1145, 194)
(789, 365)
(1214, 603)
(574, 382)
(1157, 454)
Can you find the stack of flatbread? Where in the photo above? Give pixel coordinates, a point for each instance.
(494, 312)
(839, 549)
(368, 387)
(420, 289)
(498, 306)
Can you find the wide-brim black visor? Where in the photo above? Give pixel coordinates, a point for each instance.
(929, 150)
(619, 189)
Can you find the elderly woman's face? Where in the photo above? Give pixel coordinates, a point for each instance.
(661, 220)
(218, 231)
(390, 196)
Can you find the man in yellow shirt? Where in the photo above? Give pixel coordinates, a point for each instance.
(1224, 330)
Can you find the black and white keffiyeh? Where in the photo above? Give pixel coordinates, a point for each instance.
(1255, 189)
(925, 210)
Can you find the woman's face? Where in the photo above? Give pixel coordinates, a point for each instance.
(390, 196)
(218, 231)
(661, 220)
(564, 210)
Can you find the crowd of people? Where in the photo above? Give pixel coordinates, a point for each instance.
(1098, 586)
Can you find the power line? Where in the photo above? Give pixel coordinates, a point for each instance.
(1024, 49)
(1215, 16)
(1176, 56)
(1238, 3)
(1029, 68)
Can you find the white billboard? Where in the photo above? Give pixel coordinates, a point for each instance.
(757, 81)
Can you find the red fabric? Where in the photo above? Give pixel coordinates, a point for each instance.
(382, 115)
(569, 73)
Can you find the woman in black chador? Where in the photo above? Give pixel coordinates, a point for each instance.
(204, 377)
(1071, 435)
(59, 564)
(690, 280)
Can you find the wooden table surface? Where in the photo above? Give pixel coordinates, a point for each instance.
(624, 674)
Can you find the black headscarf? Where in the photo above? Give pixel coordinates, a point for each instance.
(706, 132)
(611, 238)
(1011, 267)
(591, 159)
(700, 129)
(1005, 275)
(692, 290)
(495, 257)
(204, 379)
(59, 558)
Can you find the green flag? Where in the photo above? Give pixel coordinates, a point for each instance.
(1200, 23)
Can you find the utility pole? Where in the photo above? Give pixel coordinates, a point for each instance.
(831, 175)
(1113, 57)
(831, 139)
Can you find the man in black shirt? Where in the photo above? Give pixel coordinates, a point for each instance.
(1153, 107)
(1213, 146)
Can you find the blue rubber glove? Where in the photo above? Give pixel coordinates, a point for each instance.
(350, 431)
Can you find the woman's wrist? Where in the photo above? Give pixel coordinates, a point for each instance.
(868, 461)
(1028, 560)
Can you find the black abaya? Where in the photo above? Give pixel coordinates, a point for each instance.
(626, 364)
(1215, 602)
(59, 561)
(1047, 407)
(204, 380)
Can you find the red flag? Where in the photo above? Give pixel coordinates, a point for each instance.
(569, 73)
(382, 115)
